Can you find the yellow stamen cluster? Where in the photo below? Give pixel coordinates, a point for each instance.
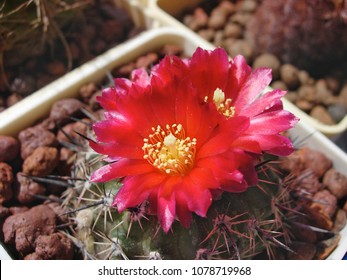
(223, 105)
(170, 150)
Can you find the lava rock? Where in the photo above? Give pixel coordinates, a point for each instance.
(306, 158)
(321, 114)
(6, 180)
(24, 228)
(63, 109)
(290, 75)
(69, 133)
(337, 112)
(9, 148)
(41, 162)
(270, 61)
(34, 137)
(336, 182)
(56, 246)
(26, 189)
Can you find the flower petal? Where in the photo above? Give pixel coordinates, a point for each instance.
(264, 103)
(142, 185)
(182, 211)
(124, 167)
(209, 70)
(117, 150)
(259, 79)
(280, 121)
(273, 144)
(166, 212)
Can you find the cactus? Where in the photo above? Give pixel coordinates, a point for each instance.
(308, 34)
(237, 226)
(241, 223)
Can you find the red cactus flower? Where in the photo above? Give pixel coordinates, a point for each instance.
(236, 90)
(172, 148)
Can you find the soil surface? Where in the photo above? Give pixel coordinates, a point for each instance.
(100, 27)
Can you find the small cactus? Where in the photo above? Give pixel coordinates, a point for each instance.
(237, 226)
(244, 219)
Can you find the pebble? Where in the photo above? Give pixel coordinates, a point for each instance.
(322, 115)
(307, 93)
(242, 47)
(307, 183)
(147, 60)
(200, 17)
(324, 202)
(270, 61)
(306, 158)
(34, 137)
(228, 7)
(336, 182)
(6, 180)
(56, 68)
(171, 49)
(304, 77)
(63, 109)
(207, 34)
(22, 229)
(71, 130)
(56, 246)
(333, 84)
(240, 18)
(291, 95)
(13, 99)
(232, 30)
(337, 111)
(93, 102)
(217, 19)
(322, 92)
(23, 85)
(281, 85)
(304, 105)
(41, 162)
(289, 75)
(87, 90)
(249, 6)
(26, 188)
(9, 148)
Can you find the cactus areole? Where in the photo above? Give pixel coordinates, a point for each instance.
(191, 129)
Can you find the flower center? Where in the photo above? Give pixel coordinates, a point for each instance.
(223, 105)
(170, 150)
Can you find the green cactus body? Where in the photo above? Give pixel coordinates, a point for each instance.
(237, 226)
